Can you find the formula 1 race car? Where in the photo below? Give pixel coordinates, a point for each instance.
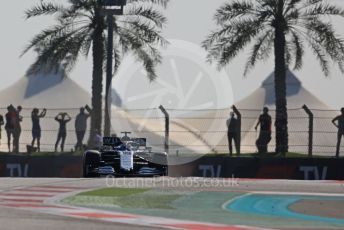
(124, 156)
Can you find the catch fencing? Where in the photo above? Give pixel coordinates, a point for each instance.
(204, 131)
(191, 131)
(49, 129)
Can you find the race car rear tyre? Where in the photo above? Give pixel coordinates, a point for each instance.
(91, 161)
(166, 172)
(159, 158)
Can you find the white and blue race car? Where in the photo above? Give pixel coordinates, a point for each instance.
(124, 157)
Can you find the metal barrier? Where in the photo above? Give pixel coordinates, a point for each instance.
(192, 131)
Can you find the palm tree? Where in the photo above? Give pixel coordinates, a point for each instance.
(81, 25)
(285, 26)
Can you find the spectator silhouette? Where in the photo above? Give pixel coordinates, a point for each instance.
(81, 126)
(340, 125)
(17, 129)
(1, 124)
(36, 128)
(62, 119)
(10, 124)
(265, 131)
(232, 133)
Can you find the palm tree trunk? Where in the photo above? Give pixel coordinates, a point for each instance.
(108, 101)
(281, 122)
(97, 79)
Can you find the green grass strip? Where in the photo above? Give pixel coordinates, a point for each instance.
(113, 192)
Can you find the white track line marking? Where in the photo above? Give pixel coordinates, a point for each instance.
(299, 193)
(224, 205)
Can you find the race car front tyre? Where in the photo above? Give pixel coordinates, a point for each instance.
(90, 162)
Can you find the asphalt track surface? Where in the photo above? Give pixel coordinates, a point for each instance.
(15, 215)
(15, 219)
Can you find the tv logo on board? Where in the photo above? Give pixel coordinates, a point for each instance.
(314, 172)
(18, 170)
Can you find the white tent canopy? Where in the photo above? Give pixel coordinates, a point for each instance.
(45, 90)
(297, 95)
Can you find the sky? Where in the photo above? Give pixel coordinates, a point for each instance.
(189, 22)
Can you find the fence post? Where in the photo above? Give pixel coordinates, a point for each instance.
(310, 130)
(238, 114)
(167, 127)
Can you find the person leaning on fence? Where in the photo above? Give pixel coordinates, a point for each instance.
(17, 129)
(81, 126)
(62, 119)
(232, 133)
(36, 128)
(340, 125)
(10, 124)
(1, 124)
(265, 131)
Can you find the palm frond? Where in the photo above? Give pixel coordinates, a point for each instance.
(148, 63)
(60, 51)
(323, 9)
(291, 5)
(292, 16)
(43, 8)
(224, 46)
(298, 50)
(86, 47)
(215, 36)
(268, 5)
(288, 53)
(260, 50)
(84, 4)
(72, 15)
(86, 7)
(162, 3)
(320, 55)
(117, 59)
(147, 13)
(47, 34)
(143, 47)
(139, 31)
(232, 10)
(308, 3)
(325, 35)
(144, 32)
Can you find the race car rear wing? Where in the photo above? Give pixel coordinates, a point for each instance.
(116, 141)
(111, 141)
